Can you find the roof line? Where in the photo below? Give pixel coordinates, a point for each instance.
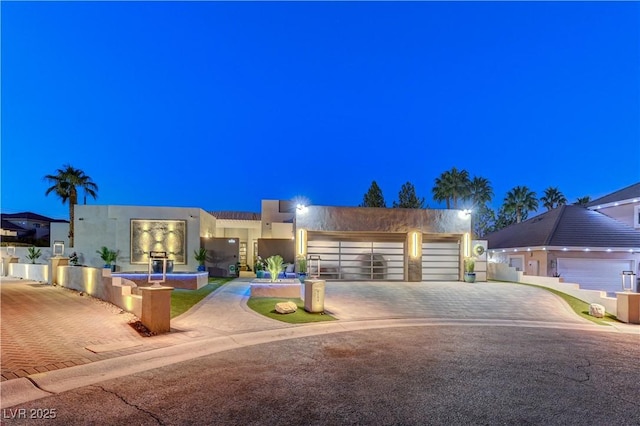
(555, 225)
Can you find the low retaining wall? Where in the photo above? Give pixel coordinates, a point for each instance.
(276, 289)
(187, 281)
(99, 283)
(504, 272)
(29, 271)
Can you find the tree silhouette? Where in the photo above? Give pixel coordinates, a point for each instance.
(451, 186)
(407, 198)
(520, 200)
(66, 183)
(553, 198)
(373, 197)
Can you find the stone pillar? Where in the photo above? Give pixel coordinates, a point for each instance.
(413, 256)
(53, 272)
(156, 308)
(6, 260)
(628, 307)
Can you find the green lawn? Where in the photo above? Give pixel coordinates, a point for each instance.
(580, 307)
(182, 300)
(267, 306)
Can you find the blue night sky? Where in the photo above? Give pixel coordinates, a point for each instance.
(221, 104)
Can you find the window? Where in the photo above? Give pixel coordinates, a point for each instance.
(243, 253)
(636, 216)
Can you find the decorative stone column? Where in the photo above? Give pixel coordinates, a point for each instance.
(413, 256)
(53, 272)
(6, 260)
(156, 308)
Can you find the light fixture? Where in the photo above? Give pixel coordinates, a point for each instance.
(11, 251)
(608, 250)
(302, 242)
(58, 248)
(301, 208)
(587, 249)
(414, 244)
(565, 249)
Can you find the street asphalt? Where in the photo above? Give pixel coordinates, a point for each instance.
(401, 353)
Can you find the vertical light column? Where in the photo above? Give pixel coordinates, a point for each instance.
(414, 256)
(301, 242)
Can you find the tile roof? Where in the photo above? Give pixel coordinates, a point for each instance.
(628, 193)
(569, 225)
(235, 215)
(9, 226)
(30, 216)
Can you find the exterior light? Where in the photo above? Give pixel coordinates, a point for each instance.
(58, 248)
(414, 245)
(11, 251)
(515, 249)
(231, 241)
(587, 249)
(467, 245)
(302, 242)
(565, 249)
(608, 250)
(301, 208)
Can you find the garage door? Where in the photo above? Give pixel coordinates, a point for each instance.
(356, 260)
(594, 274)
(440, 261)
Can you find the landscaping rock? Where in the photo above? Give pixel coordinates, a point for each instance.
(286, 307)
(596, 310)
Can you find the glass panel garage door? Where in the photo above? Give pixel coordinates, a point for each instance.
(353, 260)
(440, 261)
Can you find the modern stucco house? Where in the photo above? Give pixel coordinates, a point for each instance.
(351, 243)
(590, 246)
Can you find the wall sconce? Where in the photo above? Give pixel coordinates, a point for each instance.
(231, 241)
(11, 251)
(467, 245)
(302, 242)
(58, 248)
(301, 208)
(415, 245)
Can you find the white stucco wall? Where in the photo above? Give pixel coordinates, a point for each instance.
(110, 226)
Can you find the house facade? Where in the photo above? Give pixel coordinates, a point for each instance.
(590, 246)
(349, 243)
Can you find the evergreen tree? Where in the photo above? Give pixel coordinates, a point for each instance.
(407, 198)
(373, 197)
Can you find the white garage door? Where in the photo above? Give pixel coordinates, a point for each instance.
(358, 260)
(440, 261)
(594, 274)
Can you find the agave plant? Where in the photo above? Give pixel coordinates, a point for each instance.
(275, 266)
(33, 254)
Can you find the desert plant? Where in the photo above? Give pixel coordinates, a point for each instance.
(200, 255)
(469, 264)
(302, 264)
(108, 256)
(33, 254)
(275, 266)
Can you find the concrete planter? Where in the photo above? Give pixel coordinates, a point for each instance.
(281, 288)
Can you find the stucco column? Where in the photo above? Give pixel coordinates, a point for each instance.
(55, 262)
(156, 308)
(6, 260)
(413, 256)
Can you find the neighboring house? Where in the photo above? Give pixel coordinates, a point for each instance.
(27, 226)
(589, 246)
(622, 205)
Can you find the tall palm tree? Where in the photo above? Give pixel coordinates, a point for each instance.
(553, 198)
(480, 192)
(65, 184)
(451, 186)
(520, 200)
(583, 201)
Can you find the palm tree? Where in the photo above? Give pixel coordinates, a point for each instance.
(583, 201)
(451, 186)
(66, 183)
(553, 198)
(480, 192)
(520, 200)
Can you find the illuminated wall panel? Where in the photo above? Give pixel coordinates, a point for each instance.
(158, 235)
